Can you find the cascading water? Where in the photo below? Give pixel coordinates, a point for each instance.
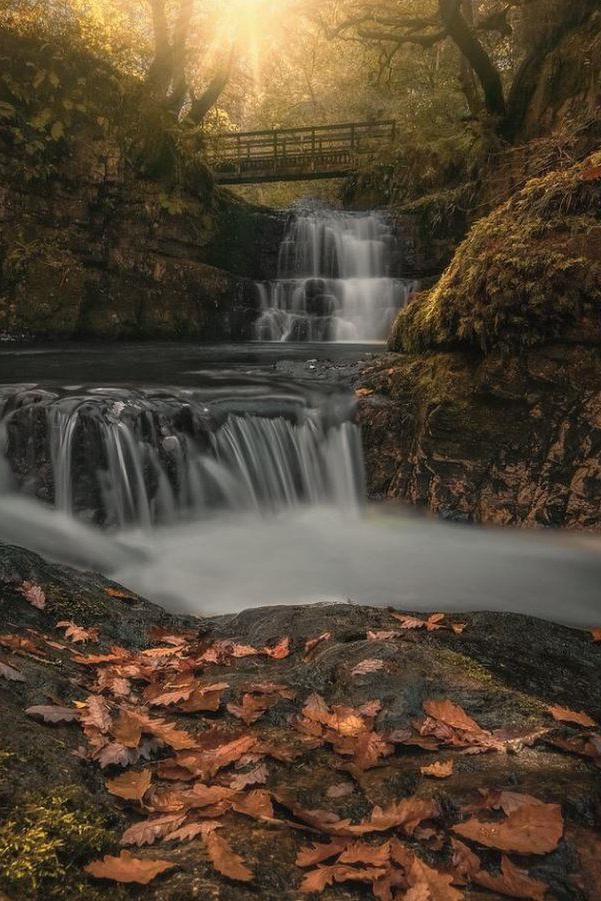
(335, 281)
(122, 457)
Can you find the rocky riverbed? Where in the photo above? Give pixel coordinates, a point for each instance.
(455, 756)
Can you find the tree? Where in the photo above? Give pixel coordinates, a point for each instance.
(496, 78)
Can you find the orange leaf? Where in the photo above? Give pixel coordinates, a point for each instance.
(225, 860)
(513, 882)
(531, 829)
(127, 728)
(77, 633)
(148, 831)
(364, 392)
(316, 853)
(33, 594)
(596, 633)
(438, 884)
(440, 769)
(458, 628)
(251, 708)
(130, 785)
(371, 665)
(452, 715)
(563, 715)
(313, 642)
(122, 595)
(256, 804)
(362, 852)
(280, 650)
(256, 776)
(317, 880)
(126, 868)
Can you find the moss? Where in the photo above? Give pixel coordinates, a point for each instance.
(526, 274)
(46, 841)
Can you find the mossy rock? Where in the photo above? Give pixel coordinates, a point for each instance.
(527, 274)
(46, 840)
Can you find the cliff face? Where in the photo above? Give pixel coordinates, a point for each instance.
(505, 440)
(97, 237)
(493, 413)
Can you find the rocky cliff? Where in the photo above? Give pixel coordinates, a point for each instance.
(108, 226)
(492, 410)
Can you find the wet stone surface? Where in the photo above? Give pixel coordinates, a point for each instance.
(307, 748)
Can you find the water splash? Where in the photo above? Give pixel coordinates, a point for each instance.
(335, 281)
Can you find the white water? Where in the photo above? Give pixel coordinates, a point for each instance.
(334, 281)
(214, 511)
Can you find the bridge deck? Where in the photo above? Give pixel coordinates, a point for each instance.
(295, 154)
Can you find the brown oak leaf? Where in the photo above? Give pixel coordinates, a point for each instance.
(531, 829)
(224, 859)
(441, 769)
(33, 594)
(126, 868)
(130, 785)
(563, 715)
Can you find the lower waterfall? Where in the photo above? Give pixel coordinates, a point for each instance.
(133, 457)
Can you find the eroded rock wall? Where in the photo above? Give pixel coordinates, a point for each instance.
(505, 440)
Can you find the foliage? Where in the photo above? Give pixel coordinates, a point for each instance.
(44, 843)
(525, 274)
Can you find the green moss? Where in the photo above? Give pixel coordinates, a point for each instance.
(46, 841)
(526, 274)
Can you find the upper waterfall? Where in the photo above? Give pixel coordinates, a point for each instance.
(335, 280)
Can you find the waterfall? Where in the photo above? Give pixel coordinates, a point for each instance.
(335, 280)
(119, 457)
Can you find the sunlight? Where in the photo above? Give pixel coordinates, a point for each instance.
(256, 27)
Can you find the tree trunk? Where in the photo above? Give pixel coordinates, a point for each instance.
(569, 15)
(207, 100)
(467, 42)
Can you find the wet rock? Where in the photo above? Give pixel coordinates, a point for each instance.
(502, 670)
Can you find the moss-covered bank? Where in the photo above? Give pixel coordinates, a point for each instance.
(528, 273)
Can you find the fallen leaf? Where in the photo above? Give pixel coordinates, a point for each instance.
(458, 628)
(256, 804)
(225, 860)
(563, 715)
(130, 785)
(313, 642)
(364, 392)
(280, 650)
(317, 880)
(126, 868)
(148, 831)
(53, 713)
(127, 728)
(316, 853)
(185, 833)
(10, 673)
(382, 635)
(371, 665)
(438, 884)
(251, 708)
(596, 633)
(95, 713)
(440, 769)
(465, 861)
(512, 881)
(452, 715)
(78, 633)
(119, 593)
(33, 594)
(362, 852)
(531, 829)
(256, 776)
(19, 644)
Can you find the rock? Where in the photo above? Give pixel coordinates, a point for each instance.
(502, 670)
(497, 439)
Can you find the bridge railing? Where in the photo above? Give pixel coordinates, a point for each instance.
(295, 152)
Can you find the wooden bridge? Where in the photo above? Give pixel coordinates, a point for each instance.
(296, 154)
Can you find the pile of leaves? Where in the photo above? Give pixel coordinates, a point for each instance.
(190, 754)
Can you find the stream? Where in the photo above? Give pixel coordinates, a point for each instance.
(213, 478)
